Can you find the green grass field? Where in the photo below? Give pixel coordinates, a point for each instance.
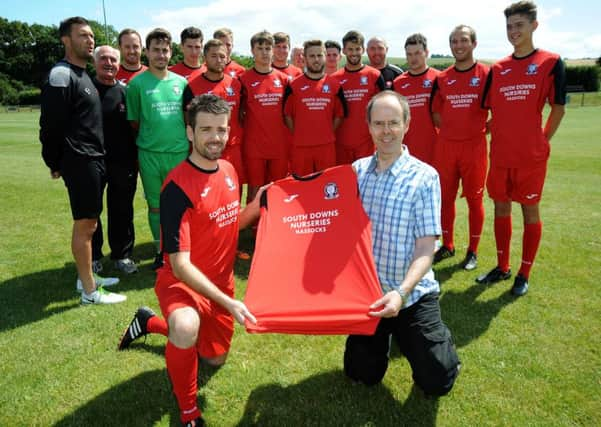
(532, 361)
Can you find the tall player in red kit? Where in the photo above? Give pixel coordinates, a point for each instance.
(460, 150)
(200, 219)
(416, 85)
(516, 92)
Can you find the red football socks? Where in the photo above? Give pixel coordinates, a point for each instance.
(530, 244)
(182, 366)
(503, 241)
(476, 222)
(157, 325)
(447, 222)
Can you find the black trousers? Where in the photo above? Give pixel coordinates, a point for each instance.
(423, 339)
(121, 183)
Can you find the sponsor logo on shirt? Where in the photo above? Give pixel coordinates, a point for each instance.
(475, 81)
(230, 183)
(205, 192)
(363, 80)
(151, 91)
(325, 89)
(450, 82)
(121, 107)
(290, 198)
(505, 71)
(277, 83)
(532, 70)
(87, 90)
(254, 84)
(531, 196)
(427, 83)
(330, 191)
(343, 81)
(177, 90)
(406, 85)
(229, 91)
(290, 78)
(305, 87)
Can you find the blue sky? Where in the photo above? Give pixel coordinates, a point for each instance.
(570, 28)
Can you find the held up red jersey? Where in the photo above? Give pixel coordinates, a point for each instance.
(199, 214)
(313, 270)
(233, 69)
(421, 136)
(124, 75)
(262, 99)
(457, 96)
(185, 71)
(227, 88)
(359, 87)
(313, 105)
(516, 92)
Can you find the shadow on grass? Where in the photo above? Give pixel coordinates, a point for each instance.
(36, 296)
(141, 401)
(330, 399)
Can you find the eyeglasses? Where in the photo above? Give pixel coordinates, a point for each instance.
(381, 125)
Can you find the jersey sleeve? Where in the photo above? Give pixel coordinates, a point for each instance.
(340, 107)
(486, 93)
(559, 89)
(380, 83)
(54, 116)
(288, 102)
(436, 98)
(427, 208)
(175, 215)
(187, 98)
(132, 100)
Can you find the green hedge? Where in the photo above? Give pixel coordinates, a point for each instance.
(585, 76)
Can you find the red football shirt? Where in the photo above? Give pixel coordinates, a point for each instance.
(313, 105)
(262, 100)
(233, 69)
(516, 93)
(227, 88)
(358, 87)
(313, 270)
(421, 136)
(124, 75)
(457, 96)
(199, 214)
(290, 70)
(186, 72)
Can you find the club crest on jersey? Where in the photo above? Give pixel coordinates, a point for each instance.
(230, 183)
(229, 91)
(363, 80)
(330, 191)
(427, 83)
(277, 83)
(325, 89)
(475, 81)
(177, 90)
(532, 70)
(121, 107)
(232, 73)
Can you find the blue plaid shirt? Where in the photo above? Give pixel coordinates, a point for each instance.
(403, 204)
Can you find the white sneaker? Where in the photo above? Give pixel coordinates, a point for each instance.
(102, 296)
(96, 266)
(126, 265)
(100, 281)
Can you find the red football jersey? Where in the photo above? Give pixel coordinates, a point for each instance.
(124, 75)
(186, 72)
(358, 87)
(262, 99)
(199, 214)
(227, 88)
(457, 96)
(292, 71)
(313, 105)
(516, 93)
(233, 69)
(421, 136)
(313, 270)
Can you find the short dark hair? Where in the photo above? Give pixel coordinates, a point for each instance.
(417, 38)
(159, 34)
(313, 43)
(402, 102)
(222, 32)
(206, 103)
(469, 29)
(281, 37)
(353, 37)
(333, 44)
(212, 43)
(190, 33)
(262, 37)
(64, 28)
(526, 8)
(126, 32)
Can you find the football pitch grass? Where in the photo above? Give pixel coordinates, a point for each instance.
(535, 360)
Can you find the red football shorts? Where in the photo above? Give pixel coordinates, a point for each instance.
(523, 185)
(346, 155)
(306, 160)
(233, 154)
(466, 161)
(263, 171)
(216, 323)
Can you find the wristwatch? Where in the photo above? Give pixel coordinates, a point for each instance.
(403, 295)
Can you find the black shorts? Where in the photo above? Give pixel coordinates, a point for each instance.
(423, 339)
(84, 178)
